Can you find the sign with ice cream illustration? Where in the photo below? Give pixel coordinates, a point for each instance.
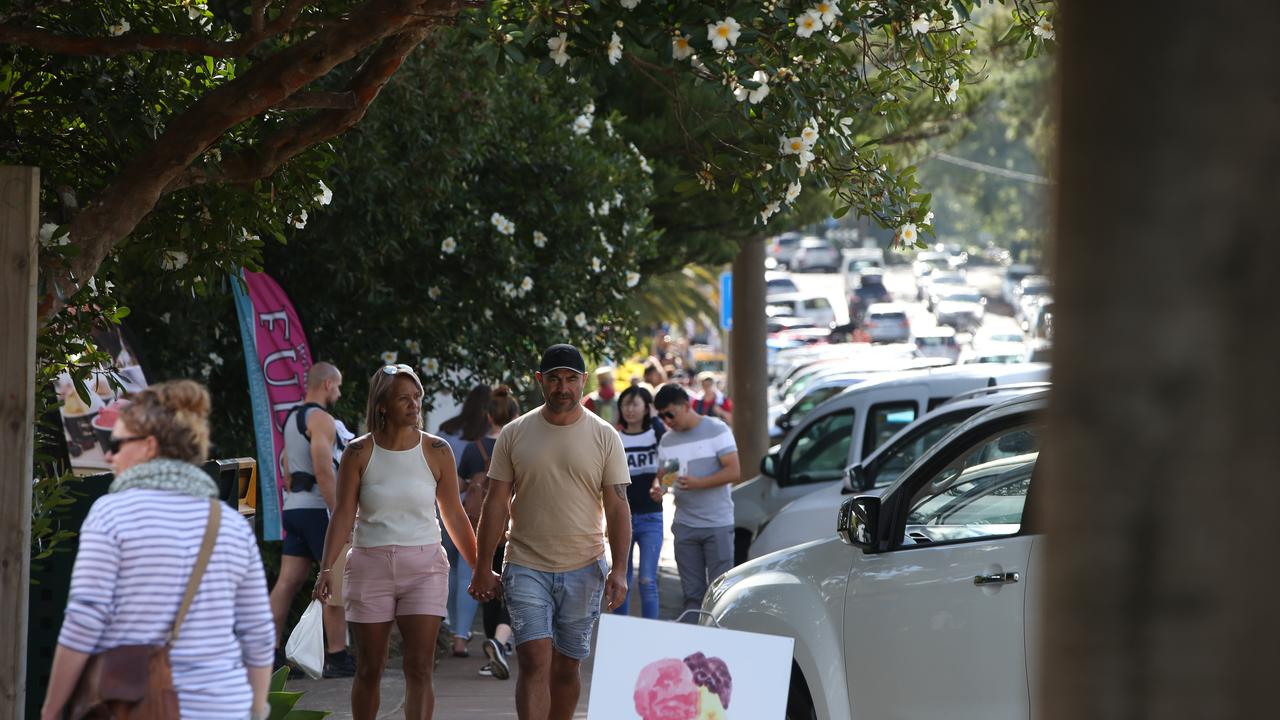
(653, 670)
(87, 417)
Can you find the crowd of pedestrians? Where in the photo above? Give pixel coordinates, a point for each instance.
(503, 514)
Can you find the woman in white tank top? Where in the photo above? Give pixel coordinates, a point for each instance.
(396, 570)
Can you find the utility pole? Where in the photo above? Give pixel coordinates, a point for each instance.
(19, 218)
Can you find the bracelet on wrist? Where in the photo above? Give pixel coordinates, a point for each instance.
(329, 570)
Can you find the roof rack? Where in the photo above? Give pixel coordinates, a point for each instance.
(992, 389)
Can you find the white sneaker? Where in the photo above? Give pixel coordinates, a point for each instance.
(485, 671)
(497, 655)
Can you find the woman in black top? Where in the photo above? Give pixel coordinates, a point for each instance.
(640, 435)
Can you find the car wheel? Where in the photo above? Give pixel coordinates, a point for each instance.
(741, 545)
(799, 702)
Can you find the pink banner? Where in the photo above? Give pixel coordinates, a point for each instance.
(283, 356)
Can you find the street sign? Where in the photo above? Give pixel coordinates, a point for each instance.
(726, 301)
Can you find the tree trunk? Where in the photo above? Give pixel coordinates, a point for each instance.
(750, 367)
(1162, 467)
(19, 198)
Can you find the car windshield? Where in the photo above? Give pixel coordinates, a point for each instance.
(948, 280)
(894, 460)
(1004, 337)
(889, 317)
(781, 285)
(962, 297)
(1035, 289)
(993, 493)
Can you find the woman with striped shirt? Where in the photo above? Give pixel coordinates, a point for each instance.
(138, 547)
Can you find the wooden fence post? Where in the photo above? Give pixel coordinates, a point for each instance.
(19, 217)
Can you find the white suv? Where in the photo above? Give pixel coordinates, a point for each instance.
(924, 602)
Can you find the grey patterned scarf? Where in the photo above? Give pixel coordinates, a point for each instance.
(166, 474)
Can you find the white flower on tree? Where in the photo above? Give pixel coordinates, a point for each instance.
(769, 211)
(325, 196)
(559, 317)
(173, 260)
(953, 90)
(724, 33)
(629, 4)
(908, 233)
(430, 366)
(502, 224)
(1044, 30)
(633, 278)
(389, 357)
(448, 245)
(413, 347)
(488, 314)
(615, 49)
(807, 24)
(791, 145)
(300, 221)
(809, 134)
(754, 95)
(680, 47)
(120, 27)
(526, 284)
(596, 265)
(580, 319)
(920, 25)
(539, 240)
(433, 292)
(559, 47)
(793, 192)
(47, 238)
(604, 207)
(827, 11)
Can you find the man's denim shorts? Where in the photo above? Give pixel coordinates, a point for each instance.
(561, 606)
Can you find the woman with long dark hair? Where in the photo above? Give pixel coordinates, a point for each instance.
(640, 434)
(397, 570)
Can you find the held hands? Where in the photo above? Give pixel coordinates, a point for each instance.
(485, 585)
(615, 587)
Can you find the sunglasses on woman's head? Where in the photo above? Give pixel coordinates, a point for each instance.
(115, 443)
(393, 369)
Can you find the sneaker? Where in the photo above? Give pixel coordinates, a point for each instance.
(341, 664)
(486, 670)
(497, 654)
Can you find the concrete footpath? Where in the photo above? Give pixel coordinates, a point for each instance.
(461, 694)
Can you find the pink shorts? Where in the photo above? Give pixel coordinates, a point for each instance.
(381, 583)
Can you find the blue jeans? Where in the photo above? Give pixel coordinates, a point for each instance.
(562, 606)
(461, 607)
(646, 531)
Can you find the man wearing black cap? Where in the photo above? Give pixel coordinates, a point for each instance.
(557, 472)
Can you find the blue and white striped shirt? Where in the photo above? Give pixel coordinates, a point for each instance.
(137, 549)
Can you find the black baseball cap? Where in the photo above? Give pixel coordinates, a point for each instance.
(562, 356)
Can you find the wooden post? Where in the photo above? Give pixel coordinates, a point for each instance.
(19, 198)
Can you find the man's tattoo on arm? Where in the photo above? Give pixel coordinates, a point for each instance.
(439, 444)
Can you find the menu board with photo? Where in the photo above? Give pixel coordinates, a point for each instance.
(86, 426)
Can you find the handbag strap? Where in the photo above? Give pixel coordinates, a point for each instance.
(484, 454)
(197, 572)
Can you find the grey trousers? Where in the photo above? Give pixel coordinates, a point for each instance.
(702, 555)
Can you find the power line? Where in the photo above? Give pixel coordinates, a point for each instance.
(994, 170)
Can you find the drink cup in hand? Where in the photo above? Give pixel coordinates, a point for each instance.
(669, 471)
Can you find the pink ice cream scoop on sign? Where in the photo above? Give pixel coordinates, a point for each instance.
(665, 691)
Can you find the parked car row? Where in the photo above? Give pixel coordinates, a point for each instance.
(915, 591)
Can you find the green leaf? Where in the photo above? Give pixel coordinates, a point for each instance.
(841, 212)
(277, 680)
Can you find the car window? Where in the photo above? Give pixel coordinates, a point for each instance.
(895, 460)
(817, 304)
(821, 451)
(885, 420)
(812, 400)
(981, 494)
(889, 316)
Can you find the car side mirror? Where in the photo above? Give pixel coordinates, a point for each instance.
(783, 422)
(855, 480)
(857, 523)
(769, 465)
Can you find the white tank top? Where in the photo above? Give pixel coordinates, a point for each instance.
(397, 500)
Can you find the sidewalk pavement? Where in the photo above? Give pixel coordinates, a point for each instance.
(461, 694)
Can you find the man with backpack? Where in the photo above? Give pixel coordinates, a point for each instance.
(313, 447)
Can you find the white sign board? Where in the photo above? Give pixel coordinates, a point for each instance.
(655, 670)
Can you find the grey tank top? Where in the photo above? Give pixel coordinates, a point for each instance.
(299, 449)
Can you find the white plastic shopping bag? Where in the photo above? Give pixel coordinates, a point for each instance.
(305, 647)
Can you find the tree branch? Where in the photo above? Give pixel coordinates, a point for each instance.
(266, 157)
(318, 101)
(134, 42)
(160, 168)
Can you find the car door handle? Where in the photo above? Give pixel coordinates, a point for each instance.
(997, 578)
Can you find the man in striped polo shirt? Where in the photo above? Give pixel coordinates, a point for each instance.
(703, 449)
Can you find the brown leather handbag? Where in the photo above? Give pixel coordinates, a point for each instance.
(135, 682)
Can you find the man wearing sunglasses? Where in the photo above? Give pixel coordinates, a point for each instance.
(704, 448)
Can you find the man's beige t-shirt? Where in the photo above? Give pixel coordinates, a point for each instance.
(557, 514)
